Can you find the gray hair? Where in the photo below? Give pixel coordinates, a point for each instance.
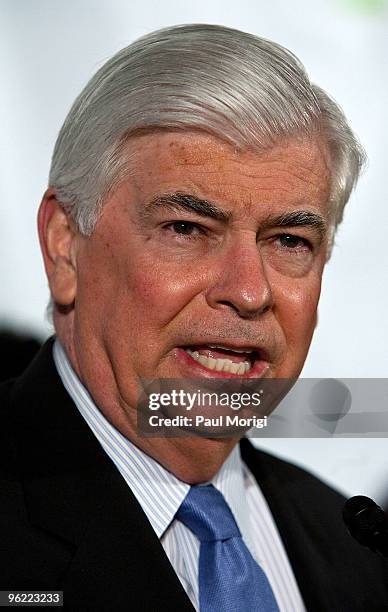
(246, 90)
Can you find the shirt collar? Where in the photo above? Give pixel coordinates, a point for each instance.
(157, 490)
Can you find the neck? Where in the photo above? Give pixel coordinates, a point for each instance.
(193, 460)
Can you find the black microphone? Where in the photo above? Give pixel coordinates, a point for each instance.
(367, 523)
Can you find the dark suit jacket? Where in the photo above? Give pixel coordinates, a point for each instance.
(68, 520)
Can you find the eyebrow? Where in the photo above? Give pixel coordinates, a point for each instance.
(204, 208)
(298, 218)
(189, 203)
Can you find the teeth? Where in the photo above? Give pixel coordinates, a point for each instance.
(227, 348)
(220, 365)
(227, 366)
(241, 368)
(203, 360)
(212, 363)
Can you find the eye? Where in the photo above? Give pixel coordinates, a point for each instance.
(290, 241)
(185, 228)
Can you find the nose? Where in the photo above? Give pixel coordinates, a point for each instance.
(241, 282)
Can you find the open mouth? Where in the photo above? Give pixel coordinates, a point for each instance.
(224, 359)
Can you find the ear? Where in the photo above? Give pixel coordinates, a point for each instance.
(57, 235)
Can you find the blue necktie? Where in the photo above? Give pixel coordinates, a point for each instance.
(230, 580)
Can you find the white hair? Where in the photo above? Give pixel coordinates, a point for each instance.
(243, 89)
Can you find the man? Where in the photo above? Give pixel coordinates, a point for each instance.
(194, 192)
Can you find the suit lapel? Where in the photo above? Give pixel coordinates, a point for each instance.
(124, 559)
(73, 491)
(296, 507)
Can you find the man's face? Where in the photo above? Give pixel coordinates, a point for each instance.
(202, 254)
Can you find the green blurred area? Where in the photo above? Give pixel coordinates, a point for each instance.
(371, 7)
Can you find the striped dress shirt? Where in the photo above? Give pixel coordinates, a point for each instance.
(160, 494)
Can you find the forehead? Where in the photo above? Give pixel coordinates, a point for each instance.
(291, 173)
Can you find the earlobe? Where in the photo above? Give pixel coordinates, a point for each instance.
(57, 236)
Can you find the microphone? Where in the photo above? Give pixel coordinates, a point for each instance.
(367, 523)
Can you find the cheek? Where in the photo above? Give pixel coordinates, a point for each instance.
(160, 294)
(297, 311)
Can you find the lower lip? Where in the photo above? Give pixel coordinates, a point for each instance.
(197, 369)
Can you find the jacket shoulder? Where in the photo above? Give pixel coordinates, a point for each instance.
(308, 515)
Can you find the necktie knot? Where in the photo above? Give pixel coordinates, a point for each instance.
(205, 512)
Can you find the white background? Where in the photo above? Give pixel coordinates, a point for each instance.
(48, 51)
